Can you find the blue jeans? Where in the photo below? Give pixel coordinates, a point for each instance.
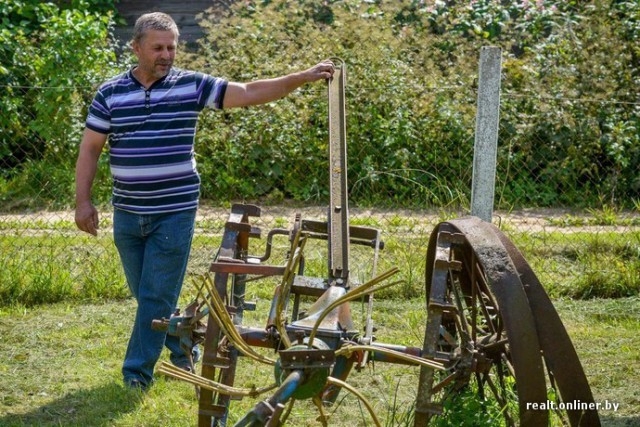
(154, 250)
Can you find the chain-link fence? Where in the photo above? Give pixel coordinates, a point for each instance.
(567, 181)
(43, 244)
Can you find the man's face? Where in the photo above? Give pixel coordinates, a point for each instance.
(156, 52)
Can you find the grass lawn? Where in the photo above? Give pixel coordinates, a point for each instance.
(60, 366)
(60, 357)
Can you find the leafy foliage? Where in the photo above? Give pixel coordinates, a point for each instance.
(411, 100)
(52, 59)
(569, 130)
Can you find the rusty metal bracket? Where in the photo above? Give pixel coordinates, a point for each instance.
(338, 203)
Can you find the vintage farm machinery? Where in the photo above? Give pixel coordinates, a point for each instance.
(490, 328)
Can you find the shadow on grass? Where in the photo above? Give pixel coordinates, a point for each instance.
(99, 406)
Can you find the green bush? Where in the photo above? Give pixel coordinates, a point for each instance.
(410, 101)
(569, 129)
(54, 58)
(392, 115)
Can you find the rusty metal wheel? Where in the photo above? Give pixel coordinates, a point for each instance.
(504, 360)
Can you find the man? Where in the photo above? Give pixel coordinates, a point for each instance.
(149, 114)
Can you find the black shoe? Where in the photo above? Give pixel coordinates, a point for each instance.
(136, 385)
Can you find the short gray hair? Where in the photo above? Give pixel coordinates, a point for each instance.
(154, 21)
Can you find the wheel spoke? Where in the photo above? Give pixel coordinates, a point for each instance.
(496, 341)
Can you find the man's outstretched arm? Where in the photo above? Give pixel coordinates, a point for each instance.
(263, 91)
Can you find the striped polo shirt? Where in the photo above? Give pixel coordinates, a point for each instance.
(151, 137)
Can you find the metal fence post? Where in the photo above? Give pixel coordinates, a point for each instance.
(486, 136)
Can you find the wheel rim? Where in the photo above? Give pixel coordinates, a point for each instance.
(480, 321)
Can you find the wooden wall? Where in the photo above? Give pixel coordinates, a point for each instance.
(184, 12)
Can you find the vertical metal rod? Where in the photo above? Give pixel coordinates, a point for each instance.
(338, 204)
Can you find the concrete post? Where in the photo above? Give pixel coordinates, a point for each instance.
(486, 137)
